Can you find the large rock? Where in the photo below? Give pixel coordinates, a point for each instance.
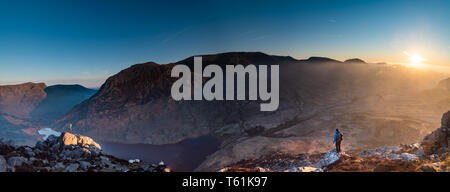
(437, 142)
(16, 161)
(408, 157)
(72, 168)
(69, 139)
(329, 158)
(428, 168)
(85, 165)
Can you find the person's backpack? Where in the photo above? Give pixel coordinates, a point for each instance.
(340, 137)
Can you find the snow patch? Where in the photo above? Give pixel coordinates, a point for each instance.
(47, 132)
(131, 161)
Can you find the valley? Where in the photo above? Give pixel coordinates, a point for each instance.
(133, 113)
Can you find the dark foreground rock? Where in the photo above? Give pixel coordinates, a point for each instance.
(438, 141)
(68, 153)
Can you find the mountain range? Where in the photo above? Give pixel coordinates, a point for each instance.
(374, 105)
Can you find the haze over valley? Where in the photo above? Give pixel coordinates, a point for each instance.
(373, 104)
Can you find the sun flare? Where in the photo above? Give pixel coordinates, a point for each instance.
(415, 59)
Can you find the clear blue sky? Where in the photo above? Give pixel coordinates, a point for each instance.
(85, 41)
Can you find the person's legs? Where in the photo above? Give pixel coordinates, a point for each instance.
(338, 146)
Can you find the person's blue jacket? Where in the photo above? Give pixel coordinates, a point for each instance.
(336, 135)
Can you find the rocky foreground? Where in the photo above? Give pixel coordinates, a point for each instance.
(67, 153)
(430, 155)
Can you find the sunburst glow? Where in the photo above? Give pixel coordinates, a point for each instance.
(415, 59)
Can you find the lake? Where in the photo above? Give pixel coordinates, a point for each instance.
(184, 156)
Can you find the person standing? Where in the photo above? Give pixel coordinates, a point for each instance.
(70, 127)
(338, 139)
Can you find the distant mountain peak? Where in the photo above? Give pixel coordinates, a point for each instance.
(444, 84)
(244, 58)
(354, 60)
(316, 59)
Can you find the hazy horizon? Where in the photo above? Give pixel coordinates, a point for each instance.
(85, 42)
(96, 82)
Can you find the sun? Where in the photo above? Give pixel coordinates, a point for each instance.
(415, 59)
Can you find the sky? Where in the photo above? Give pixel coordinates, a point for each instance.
(86, 41)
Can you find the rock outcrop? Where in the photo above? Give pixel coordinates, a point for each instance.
(438, 141)
(68, 153)
(79, 140)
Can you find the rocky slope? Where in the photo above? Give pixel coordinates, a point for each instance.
(429, 155)
(67, 153)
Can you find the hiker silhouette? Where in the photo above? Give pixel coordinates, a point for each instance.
(70, 127)
(338, 139)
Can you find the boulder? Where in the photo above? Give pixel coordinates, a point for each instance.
(105, 162)
(329, 158)
(52, 139)
(69, 139)
(85, 165)
(16, 161)
(3, 164)
(408, 157)
(394, 157)
(428, 168)
(72, 167)
(59, 166)
(41, 146)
